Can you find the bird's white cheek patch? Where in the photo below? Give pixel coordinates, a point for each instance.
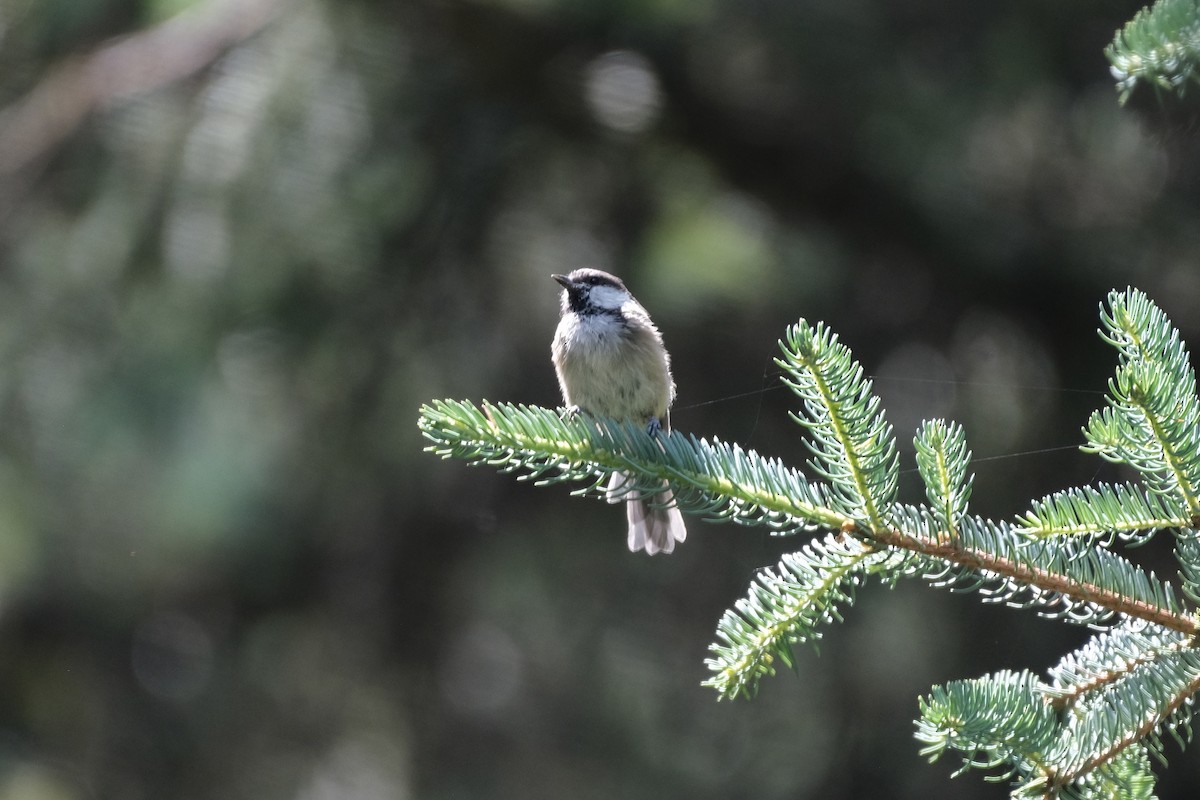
(608, 297)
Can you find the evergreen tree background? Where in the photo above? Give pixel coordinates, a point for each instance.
(240, 243)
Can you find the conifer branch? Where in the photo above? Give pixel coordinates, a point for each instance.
(1153, 411)
(1109, 657)
(1187, 550)
(1103, 512)
(785, 607)
(1087, 733)
(1160, 46)
(852, 443)
(714, 479)
(996, 721)
(1077, 579)
(942, 459)
(1134, 710)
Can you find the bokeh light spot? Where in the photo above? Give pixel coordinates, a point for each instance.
(622, 91)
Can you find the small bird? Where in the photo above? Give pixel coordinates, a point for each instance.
(611, 362)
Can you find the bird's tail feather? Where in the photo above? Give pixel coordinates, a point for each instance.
(655, 525)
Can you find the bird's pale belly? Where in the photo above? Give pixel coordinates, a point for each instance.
(626, 381)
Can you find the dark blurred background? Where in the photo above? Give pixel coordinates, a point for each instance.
(241, 242)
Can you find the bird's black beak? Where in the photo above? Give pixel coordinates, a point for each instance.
(563, 281)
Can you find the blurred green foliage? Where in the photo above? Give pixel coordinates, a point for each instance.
(241, 242)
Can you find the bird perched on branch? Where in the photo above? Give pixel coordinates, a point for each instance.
(611, 362)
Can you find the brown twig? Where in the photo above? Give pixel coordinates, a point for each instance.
(1043, 579)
